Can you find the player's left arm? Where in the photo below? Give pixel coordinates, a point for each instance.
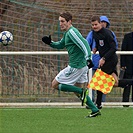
(81, 42)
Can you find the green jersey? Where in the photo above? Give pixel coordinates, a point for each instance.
(77, 46)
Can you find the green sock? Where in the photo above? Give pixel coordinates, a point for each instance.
(70, 88)
(91, 104)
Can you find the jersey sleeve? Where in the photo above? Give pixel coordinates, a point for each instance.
(59, 44)
(81, 42)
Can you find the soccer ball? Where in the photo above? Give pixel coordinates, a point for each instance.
(6, 38)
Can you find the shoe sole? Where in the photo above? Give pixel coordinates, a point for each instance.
(94, 115)
(99, 107)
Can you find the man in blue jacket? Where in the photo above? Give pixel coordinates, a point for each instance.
(95, 57)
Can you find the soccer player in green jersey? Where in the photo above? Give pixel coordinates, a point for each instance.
(79, 60)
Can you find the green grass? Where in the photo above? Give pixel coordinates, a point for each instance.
(65, 120)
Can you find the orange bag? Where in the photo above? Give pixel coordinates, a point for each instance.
(102, 81)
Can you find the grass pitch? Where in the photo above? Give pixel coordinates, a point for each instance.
(65, 120)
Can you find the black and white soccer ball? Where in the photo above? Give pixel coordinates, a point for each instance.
(6, 38)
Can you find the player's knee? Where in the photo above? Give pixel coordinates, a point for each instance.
(55, 84)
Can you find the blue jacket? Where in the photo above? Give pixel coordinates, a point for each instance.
(105, 19)
(92, 43)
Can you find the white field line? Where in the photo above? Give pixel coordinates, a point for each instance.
(38, 104)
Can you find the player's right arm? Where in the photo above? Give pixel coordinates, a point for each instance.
(59, 44)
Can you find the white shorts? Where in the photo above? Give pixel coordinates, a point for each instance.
(71, 75)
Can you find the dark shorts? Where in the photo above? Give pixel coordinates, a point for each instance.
(110, 66)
